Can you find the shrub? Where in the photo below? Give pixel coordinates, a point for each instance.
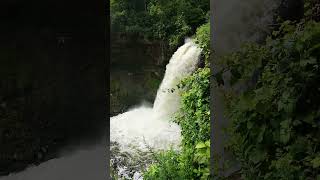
(202, 38)
(275, 121)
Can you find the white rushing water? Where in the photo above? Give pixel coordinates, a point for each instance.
(151, 127)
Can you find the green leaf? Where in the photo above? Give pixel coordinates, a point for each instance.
(249, 124)
(257, 156)
(207, 143)
(262, 107)
(316, 162)
(261, 133)
(285, 131)
(200, 145)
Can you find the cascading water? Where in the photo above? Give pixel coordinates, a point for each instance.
(147, 127)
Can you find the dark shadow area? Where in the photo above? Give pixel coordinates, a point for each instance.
(53, 80)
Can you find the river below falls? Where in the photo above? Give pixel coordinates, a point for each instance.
(86, 163)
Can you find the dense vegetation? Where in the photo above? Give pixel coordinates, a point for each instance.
(275, 118)
(168, 20)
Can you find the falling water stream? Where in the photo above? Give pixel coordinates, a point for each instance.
(146, 127)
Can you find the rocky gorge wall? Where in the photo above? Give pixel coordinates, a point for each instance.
(132, 49)
(136, 71)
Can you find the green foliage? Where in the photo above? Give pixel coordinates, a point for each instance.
(167, 20)
(202, 38)
(152, 82)
(275, 121)
(125, 16)
(202, 158)
(166, 167)
(174, 20)
(193, 161)
(312, 10)
(195, 117)
(169, 23)
(194, 120)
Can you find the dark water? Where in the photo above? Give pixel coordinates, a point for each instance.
(86, 163)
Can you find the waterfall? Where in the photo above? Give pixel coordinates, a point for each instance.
(138, 128)
(151, 127)
(182, 63)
